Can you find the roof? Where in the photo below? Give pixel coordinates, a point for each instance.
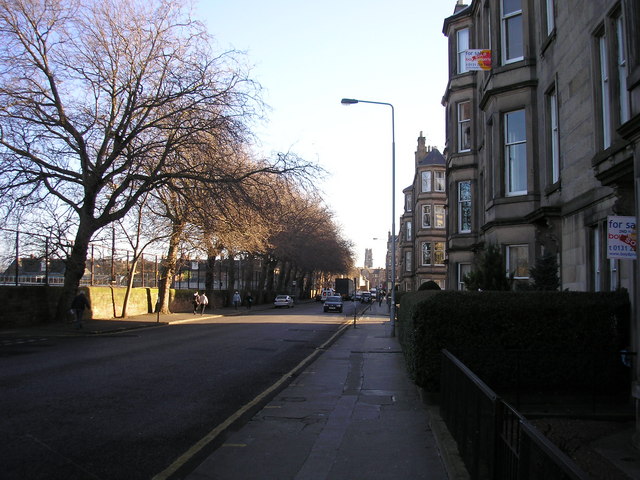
(460, 11)
(433, 157)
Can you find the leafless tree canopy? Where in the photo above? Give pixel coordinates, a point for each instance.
(99, 98)
(104, 101)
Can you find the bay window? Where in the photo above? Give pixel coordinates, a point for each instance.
(462, 45)
(464, 126)
(464, 207)
(438, 214)
(518, 261)
(426, 216)
(512, 32)
(515, 153)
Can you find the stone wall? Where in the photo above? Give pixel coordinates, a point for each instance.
(30, 305)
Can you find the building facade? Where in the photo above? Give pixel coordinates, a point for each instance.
(422, 233)
(541, 147)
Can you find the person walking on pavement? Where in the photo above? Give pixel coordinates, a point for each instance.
(196, 296)
(203, 301)
(79, 303)
(249, 299)
(236, 300)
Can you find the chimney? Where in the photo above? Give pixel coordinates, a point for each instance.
(421, 152)
(459, 6)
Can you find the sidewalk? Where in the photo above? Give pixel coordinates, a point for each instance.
(353, 413)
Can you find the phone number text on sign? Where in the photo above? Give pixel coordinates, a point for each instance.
(621, 237)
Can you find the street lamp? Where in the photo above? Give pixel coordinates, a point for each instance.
(392, 310)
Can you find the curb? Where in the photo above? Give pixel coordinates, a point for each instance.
(448, 447)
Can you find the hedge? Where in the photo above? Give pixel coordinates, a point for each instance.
(544, 340)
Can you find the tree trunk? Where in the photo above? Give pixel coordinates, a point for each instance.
(271, 265)
(231, 277)
(169, 268)
(209, 278)
(74, 270)
(262, 282)
(127, 294)
(248, 273)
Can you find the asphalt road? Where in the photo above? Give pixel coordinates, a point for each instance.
(128, 405)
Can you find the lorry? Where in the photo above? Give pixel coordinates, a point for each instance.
(345, 288)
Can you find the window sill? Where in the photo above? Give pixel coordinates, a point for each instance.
(548, 41)
(553, 188)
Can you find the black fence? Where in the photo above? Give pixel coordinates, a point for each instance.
(28, 258)
(494, 440)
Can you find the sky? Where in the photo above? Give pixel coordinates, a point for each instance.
(308, 56)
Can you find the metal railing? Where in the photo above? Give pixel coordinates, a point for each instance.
(494, 440)
(28, 258)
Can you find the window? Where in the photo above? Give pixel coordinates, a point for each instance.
(622, 71)
(426, 216)
(489, 29)
(550, 16)
(409, 231)
(408, 261)
(512, 33)
(426, 253)
(438, 253)
(464, 207)
(554, 136)
(432, 253)
(515, 153)
(462, 45)
(604, 272)
(463, 269)
(605, 100)
(407, 203)
(439, 181)
(426, 181)
(518, 261)
(596, 258)
(613, 274)
(613, 70)
(464, 126)
(438, 211)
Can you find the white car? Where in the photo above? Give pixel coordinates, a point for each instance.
(283, 301)
(326, 292)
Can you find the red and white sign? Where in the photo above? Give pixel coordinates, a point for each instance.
(621, 237)
(478, 59)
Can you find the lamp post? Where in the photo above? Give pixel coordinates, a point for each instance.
(392, 310)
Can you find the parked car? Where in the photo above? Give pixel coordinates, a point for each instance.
(333, 304)
(283, 301)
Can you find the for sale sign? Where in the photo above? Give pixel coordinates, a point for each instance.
(621, 237)
(478, 59)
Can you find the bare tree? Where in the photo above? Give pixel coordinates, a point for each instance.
(227, 213)
(100, 100)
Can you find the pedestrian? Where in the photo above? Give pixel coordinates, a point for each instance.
(196, 296)
(249, 299)
(203, 301)
(79, 303)
(236, 300)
